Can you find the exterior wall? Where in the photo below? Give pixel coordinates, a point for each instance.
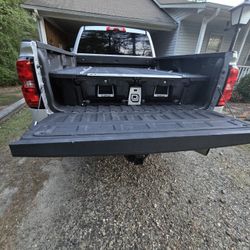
(246, 50)
(164, 43)
(178, 15)
(245, 53)
(218, 27)
(184, 39)
(187, 38)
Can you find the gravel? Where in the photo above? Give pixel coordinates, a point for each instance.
(174, 201)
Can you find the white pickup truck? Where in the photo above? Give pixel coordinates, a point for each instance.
(111, 95)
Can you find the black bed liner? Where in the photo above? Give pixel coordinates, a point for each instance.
(103, 130)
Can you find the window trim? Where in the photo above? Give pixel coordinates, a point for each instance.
(210, 36)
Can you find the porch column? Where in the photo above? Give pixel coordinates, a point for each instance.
(244, 40)
(203, 29)
(41, 27)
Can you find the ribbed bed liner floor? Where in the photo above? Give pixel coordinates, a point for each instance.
(103, 130)
(132, 119)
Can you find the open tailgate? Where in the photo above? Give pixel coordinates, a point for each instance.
(110, 130)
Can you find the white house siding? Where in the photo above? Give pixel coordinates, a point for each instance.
(245, 52)
(218, 27)
(187, 37)
(164, 43)
(178, 15)
(184, 39)
(246, 48)
(227, 39)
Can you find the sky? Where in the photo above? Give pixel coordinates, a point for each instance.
(227, 2)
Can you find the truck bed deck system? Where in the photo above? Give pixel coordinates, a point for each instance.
(126, 72)
(102, 130)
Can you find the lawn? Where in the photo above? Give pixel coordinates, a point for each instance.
(9, 95)
(15, 126)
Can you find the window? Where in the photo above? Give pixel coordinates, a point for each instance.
(115, 43)
(214, 43)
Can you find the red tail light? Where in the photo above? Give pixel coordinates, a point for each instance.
(121, 29)
(25, 71)
(228, 90)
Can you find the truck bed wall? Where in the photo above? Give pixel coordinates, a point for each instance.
(215, 66)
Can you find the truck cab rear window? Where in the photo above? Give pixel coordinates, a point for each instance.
(115, 43)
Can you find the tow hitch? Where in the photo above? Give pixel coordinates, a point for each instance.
(136, 159)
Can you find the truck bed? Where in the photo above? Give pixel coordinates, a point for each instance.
(90, 98)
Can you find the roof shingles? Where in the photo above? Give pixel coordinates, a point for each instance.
(145, 10)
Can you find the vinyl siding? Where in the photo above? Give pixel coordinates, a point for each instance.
(218, 27)
(183, 40)
(170, 39)
(164, 43)
(180, 14)
(245, 52)
(187, 38)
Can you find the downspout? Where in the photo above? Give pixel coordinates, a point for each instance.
(203, 29)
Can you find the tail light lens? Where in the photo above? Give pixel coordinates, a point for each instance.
(228, 90)
(25, 71)
(121, 29)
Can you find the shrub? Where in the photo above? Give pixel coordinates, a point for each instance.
(15, 25)
(244, 88)
(236, 97)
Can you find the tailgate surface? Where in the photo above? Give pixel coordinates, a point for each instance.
(101, 130)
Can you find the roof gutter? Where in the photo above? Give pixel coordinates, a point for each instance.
(189, 5)
(193, 5)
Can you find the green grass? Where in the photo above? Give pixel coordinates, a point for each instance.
(9, 95)
(14, 126)
(9, 99)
